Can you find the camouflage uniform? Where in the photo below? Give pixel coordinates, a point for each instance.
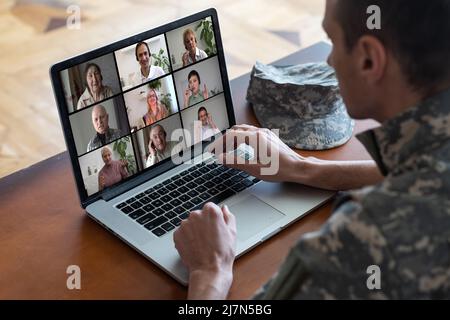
(402, 224)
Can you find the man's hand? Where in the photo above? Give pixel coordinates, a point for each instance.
(289, 162)
(206, 242)
(310, 171)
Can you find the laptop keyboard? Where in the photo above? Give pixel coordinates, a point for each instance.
(161, 208)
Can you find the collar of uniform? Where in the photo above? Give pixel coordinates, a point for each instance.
(417, 131)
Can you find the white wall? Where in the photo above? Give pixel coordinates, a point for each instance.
(215, 106)
(83, 129)
(136, 100)
(95, 162)
(126, 59)
(66, 87)
(209, 74)
(176, 44)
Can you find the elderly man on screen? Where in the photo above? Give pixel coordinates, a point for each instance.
(104, 134)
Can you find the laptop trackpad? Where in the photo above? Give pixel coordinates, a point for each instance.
(252, 216)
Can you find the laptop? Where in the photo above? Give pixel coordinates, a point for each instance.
(137, 116)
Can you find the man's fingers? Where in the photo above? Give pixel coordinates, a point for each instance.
(230, 220)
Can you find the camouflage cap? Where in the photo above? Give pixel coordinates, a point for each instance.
(303, 102)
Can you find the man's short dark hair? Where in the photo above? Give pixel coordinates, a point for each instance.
(194, 73)
(137, 47)
(417, 32)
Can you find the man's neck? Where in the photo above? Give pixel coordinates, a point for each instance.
(145, 71)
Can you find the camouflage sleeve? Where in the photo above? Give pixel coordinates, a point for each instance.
(332, 262)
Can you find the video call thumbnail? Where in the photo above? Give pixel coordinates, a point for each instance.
(205, 120)
(108, 165)
(188, 46)
(151, 102)
(90, 82)
(198, 82)
(99, 124)
(159, 141)
(142, 62)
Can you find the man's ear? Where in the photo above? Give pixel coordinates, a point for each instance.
(371, 58)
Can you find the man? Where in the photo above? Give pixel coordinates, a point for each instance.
(400, 76)
(146, 71)
(193, 53)
(208, 128)
(112, 172)
(104, 134)
(158, 147)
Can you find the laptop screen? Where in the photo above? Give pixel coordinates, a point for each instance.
(141, 104)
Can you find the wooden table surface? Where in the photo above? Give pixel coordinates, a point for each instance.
(43, 230)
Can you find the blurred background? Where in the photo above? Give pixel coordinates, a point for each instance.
(34, 35)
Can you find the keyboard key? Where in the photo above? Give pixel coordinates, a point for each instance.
(207, 176)
(163, 191)
(176, 221)
(184, 215)
(157, 203)
(238, 187)
(201, 189)
(205, 196)
(213, 191)
(222, 196)
(184, 173)
(158, 186)
(158, 212)
(179, 210)
(144, 219)
(167, 207)
(154, 196)
(166, 198)
(176, 202)
(217, 180)
(137, 213)
(121, 205)
(209, 184)
(148, 191)
(192, 193)
(236, 179)
(131, 200)
(166, 182)
(168, 226)
(221, 187)
(175, 194)
(196, 200)
(136, 205)
(256, 180)
(221, 168)
(175, 177)
(145, 200)
(225, 176)
(158, 232)
(140, 195)
(247, 183)
(127, 210)
(171, 186)
(188, 205)
(183, 189)
(179, 182)
(200, 180)
(204, 169)
(192, 169)
(148, 208)
(191, 185)
(170, 215)
(196, 174)
(244, 174)
(155, 223)
(185, 197)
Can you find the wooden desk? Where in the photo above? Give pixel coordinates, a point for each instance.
(43, 230)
